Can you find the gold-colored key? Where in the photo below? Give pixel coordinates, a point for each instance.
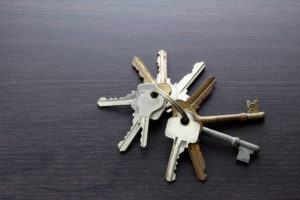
(197, 160)
(192, 104)
(140, 66)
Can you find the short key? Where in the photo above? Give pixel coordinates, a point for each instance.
(183, 135)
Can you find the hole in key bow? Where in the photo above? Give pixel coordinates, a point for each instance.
(154, 94)
(184, 121)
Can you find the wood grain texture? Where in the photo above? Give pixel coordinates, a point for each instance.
(58, 57)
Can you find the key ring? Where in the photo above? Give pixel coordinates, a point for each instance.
(185, 120)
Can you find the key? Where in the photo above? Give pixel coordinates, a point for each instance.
(182, 135)
(122, 101)
(245, 148)
(145, 104)
(127, 100)
(192, 104)
(162, 76)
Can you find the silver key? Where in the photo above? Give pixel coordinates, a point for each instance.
(187, 80)
(182, 136)
(122, 101)
(123, 145)
(145, 105)
(245, 148)
(162, 76)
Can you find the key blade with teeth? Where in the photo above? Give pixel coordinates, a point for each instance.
(144, 73)
(205, 89)
(197, 161)
(124, 144)
(122, 101)
(188, 79)
(162, 76)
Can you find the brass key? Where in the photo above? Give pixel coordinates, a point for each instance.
(192, 104)
(197, 160)
(140, 66)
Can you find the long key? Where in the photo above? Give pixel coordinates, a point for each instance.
(162, 76)
(146, 105)
(182, 135)
(245, 148)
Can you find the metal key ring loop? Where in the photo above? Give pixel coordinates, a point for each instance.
(173, 102)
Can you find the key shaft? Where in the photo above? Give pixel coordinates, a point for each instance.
(188, 79)
(197, 160)
(241, 117)
(139, 65)
(233, 141)
(162, 76)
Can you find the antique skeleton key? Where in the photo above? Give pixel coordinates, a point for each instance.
(245, 148)
(192, 104)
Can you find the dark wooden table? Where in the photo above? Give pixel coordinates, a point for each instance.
(58, 57)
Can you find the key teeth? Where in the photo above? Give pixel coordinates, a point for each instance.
(134, 65)
(128, 96)
(122, 141)
(102, 99)
(173, 178)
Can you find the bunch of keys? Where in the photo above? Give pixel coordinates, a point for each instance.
(155, 96)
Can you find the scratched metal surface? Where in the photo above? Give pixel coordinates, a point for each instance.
(58, 57)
